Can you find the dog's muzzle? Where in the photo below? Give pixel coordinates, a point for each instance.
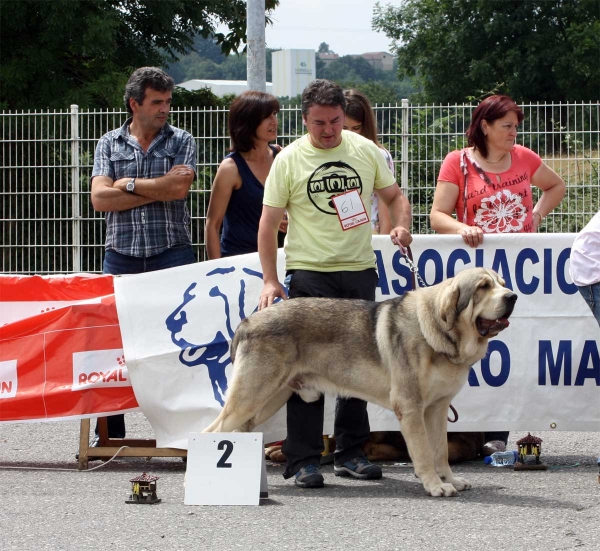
(490, 328)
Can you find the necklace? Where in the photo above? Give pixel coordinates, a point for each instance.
(495, 162)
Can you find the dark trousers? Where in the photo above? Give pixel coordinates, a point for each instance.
(304, 443)
(119, 264)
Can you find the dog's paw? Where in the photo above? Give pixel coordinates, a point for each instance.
(460, 483)
(444, 489)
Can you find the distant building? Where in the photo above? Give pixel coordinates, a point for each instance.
(379, 60)
(328, 58)
(292, 71)
(221, 87)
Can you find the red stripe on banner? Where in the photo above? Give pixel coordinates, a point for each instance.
(44, 348)
(27, 383)
(14, 288)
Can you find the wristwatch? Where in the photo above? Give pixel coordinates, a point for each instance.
(130, 187)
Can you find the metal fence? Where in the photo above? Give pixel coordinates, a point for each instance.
(49, 226)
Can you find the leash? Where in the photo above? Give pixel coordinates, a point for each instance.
(414, 270)
(455, 415)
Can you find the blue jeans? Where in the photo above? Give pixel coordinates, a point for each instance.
(591, 294)
(118, 264)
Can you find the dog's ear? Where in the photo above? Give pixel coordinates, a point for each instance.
(467, 290)
(448, 306)
(456, 298)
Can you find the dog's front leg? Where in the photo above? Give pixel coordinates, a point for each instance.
(422, 455)
(437, 430)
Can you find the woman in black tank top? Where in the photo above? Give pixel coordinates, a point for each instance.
(236, 197)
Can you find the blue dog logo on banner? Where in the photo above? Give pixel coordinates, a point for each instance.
(214, 354)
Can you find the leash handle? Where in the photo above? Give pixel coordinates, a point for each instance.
(455, 415)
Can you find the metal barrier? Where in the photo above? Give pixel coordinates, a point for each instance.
(49, 226)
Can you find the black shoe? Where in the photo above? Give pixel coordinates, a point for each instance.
(360, 468)
(309, 477)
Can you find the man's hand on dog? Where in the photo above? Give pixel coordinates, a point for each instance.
(270, 292)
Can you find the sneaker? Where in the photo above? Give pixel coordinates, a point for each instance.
(359, 467)
(493, 446)
(309, 477)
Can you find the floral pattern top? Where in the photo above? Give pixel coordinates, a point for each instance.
(496, 202)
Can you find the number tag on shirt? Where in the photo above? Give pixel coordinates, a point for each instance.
(350, 209)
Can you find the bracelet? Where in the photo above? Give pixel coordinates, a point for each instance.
(541, 217)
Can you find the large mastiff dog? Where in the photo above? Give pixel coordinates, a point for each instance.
(410, 354)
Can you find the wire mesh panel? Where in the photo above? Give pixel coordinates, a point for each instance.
(49, 225)
(91, 126)
(209, 128)
(36, 195)
(567, 137)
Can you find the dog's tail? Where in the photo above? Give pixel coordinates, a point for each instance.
(240, 334)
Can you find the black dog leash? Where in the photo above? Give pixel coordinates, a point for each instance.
(414, 270)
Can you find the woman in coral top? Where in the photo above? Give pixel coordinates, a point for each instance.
(488, 184)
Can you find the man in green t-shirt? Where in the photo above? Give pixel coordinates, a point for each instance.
(324, 180)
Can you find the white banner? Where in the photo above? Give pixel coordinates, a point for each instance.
(541, 373)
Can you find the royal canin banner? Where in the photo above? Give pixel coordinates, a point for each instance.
(61, 353)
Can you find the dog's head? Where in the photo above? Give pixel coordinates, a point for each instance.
(478, 296)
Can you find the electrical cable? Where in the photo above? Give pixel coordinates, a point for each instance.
(68, 470)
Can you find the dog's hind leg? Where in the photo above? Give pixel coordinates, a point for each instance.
(254, 384)
(230, 421)
(436, 424)
(272, 406)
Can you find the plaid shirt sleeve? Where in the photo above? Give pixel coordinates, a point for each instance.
(186, 154)
(102, 164)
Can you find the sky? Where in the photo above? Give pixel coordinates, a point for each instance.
(343, 24)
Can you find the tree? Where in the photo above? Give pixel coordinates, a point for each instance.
(350, 68)
(324, 48)
(380, 92)
(208, 48)
(459, 50)
(82, 51)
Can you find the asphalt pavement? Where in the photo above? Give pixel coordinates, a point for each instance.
(46, 503)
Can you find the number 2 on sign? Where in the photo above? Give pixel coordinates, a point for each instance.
(228, 446)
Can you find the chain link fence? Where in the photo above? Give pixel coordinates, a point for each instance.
(49, 225)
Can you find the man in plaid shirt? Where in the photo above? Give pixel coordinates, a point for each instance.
(141, 178)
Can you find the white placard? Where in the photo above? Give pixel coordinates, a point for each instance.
(350, 209)
(225, 468)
